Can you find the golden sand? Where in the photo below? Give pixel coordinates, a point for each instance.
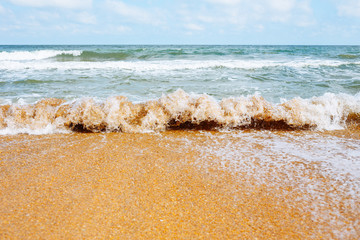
(140, 186)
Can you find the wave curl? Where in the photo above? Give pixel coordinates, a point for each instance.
(179, 110)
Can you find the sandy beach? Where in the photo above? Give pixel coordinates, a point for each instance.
(158, 186)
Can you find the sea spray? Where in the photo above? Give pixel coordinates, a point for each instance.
(181, 110)
(35, 55)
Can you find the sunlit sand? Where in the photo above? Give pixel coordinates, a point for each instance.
(165, 186)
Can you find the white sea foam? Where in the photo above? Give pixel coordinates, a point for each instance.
(34, 55)
(48, 129)
(323, 169)
(7, 63)
(183, 110)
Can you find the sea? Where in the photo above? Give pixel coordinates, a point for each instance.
(48, 89)
(289, 110)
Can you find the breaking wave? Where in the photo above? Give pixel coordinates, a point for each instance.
(93, 56)
(169, 65)
(348, 56)
(35, 55)
(179, 110)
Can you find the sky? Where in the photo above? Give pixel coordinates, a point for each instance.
(308, 22)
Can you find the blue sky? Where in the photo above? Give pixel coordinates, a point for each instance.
(180, 22)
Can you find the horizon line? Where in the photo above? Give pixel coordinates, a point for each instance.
(172, 44)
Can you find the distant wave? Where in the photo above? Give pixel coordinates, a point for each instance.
(93, 56)
(151, 65)
(349, 56)
(145, 54)
(35, 55)
(79, 55)
(180, 110)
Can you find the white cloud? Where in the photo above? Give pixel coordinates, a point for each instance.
(349, 8)
(132, 13)
(68, 28)
(304, 17)
(282, 5)
(242, 13)
(194, 27)
(225, 2)
(305, 22)
(47, 16)
(70, 4)
(259, 28)
(122, 29)
(206, 19)
(305, 6)
(2, 9)
(87, 18)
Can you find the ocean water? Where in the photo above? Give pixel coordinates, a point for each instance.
(288, 116)
(147, 88)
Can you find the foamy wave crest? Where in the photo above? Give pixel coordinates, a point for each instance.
(142, 66)
(35, 55)
(180, 110)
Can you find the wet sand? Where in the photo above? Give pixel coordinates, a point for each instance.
(155, 186)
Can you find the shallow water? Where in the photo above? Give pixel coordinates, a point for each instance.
(247, 184)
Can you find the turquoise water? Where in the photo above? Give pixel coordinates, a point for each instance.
(30, 73)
